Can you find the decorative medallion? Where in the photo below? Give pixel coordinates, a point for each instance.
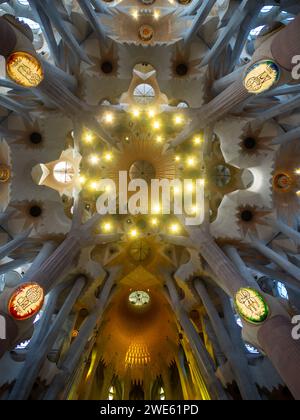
(282, 182)
(251, 305)
(24, 69)
(4, 173)
(26, 301)
(261, 76)
(146, 33)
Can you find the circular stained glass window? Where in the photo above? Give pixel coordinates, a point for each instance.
(144, 94)
(139, 298)
(63, 172)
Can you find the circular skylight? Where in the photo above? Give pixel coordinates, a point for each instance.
(144, 94)
(63, 172)
(139, 298)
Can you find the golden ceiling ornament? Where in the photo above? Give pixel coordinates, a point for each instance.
(146, 33)
(24, 69)
(5, 173)
(261, 76)
(26, 301)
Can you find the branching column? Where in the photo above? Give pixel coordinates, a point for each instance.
(202, 357)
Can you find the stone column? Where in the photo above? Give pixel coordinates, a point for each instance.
(288, 231)
(238, 364)
(8, 38)
(77, 348)
(234, 255)
(17, 242)
(286, 44)
(202, 357)
(37, 354)
(45, 252)
(290, 268)
(275, 337)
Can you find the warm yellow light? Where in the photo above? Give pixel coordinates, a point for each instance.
(94, 159)
(156, 125)
(108, 157)
(177, 158)
(174, 228)
(135, 14)
(298, 193)
(297, 172)
(191, 161)
(151, 113)
(202, 182)
(154, 221)
(197, 140)
(93, 185)
(178, 119)
(177, 190)
(156, 209)
(156, 14)
(136, 113)
(133, 233)
(159, 139)
(109, 118)
(88, 138)
(107, 227)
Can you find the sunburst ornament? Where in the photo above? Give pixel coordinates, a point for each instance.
(24, 69)
(251, 305)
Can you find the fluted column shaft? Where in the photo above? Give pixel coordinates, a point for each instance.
(234, 255)
(287, 44)
(8, 38)
(202, 357)
(239, 365)
(288, 231)
(290, 268)
(275, 337)
(37, 354)
(69, 364)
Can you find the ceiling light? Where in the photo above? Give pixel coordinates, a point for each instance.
(156, 209)
(178, 120)
(156, 14)
(159, 139)
(197, 140)
(154, 221)
(133, 233)
(156, 125)
(109, 118)
(88, 138)
(94, 185)
(151, 113)
(136, 113)
(174, 228)
(94, 159)
(108, 157)
(191, 161)
(107, 227)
